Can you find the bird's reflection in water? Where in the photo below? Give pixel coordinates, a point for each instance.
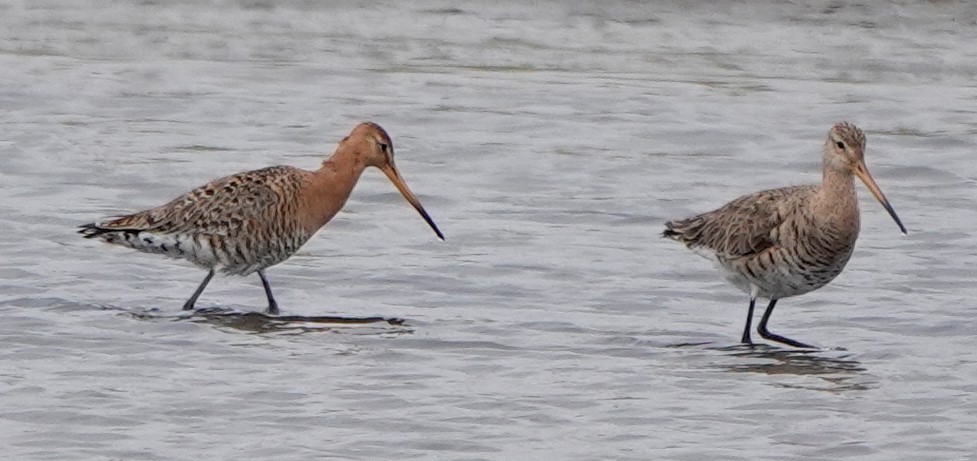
(257, 322)
(839, 371)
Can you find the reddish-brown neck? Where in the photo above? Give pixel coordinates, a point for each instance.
(328, 188)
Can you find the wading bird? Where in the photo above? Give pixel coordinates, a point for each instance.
(248, 222)
(786, 242)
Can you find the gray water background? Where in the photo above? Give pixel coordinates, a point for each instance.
(550, 141)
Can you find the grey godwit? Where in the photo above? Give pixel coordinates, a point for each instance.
(786, 242)
(250, 221)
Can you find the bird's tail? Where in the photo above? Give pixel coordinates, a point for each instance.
(685, 230)
(113, 227)
(120, 231)
(128, 237)
(92, 230)
(670, 232)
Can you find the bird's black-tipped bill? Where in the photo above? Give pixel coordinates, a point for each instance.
(862, 172)
(395, 178)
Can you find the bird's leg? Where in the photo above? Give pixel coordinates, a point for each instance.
(749, 320)
(188, 306)
(766, 334)
(272, 305)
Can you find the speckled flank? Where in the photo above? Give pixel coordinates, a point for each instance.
(786, 242)
(247, 222)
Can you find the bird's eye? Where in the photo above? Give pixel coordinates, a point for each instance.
(840, 145)
(383, 147)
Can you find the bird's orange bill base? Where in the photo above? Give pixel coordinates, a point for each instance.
(861, 171)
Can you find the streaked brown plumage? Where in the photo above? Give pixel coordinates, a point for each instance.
(785, 242)
(250, 221)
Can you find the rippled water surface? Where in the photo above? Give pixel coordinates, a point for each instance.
(550, 141)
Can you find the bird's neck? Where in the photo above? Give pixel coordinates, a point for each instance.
(329, 187)
(837, 201)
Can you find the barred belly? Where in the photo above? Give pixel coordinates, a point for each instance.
(232, 256)
(784, 274)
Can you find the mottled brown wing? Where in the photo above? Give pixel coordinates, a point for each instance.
(743, 227)
(218, 207)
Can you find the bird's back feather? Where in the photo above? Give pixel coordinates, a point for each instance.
(243, 222)
(745, 226)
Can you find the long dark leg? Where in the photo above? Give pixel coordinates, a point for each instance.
(749, 321)
(188, 306)
(766, 334)
(272, 305)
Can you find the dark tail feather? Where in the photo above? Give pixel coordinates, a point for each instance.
(92, 230)
(670, 231)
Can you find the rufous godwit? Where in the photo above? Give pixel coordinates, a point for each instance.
(786, 242)
(250, 221)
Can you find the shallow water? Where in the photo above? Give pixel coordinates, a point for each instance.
(550, 142)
